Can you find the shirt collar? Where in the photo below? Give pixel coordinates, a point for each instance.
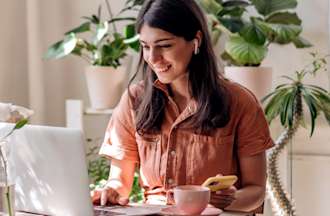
(192, 103)
(158, 84)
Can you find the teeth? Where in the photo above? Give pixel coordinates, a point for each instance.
(163, 69)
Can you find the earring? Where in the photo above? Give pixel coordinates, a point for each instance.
(196, 50)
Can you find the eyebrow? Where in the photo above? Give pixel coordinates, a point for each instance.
(159, 40)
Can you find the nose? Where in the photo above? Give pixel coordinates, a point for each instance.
(154, 56)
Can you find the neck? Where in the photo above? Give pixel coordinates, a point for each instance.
(180, 92)
(179, 88)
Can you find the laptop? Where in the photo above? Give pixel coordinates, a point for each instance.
(50, 170)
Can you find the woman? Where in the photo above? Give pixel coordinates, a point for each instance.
(184, 122)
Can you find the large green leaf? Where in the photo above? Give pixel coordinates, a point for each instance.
(233, 24)
(62, 48)
(93, 19)
(100, 33)
(116, 19)
(243, 52)
(266, 7)
(284, 108)
(284, 18)
(322, 97)
(275, 105)
(266, 28)
(311, 104)
(253, 34)
(80, 29)
(300, 42)
(232, 12)
(235, 3)
(21, 123)
(112, 53)
(290, 108)
(211, 6)
(284, 34)
(132, 39)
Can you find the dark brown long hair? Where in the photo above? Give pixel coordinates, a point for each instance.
(182, 18)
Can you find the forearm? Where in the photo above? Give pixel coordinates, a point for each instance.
(248, 198)
(121, 176)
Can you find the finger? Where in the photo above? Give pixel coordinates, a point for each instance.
(95, 195)
(113, 196)
(104, 197)
(225, 192)
(222, 199)
(228, 191)
(222, 203)
(219, 175)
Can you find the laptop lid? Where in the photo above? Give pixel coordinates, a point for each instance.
(51, 172)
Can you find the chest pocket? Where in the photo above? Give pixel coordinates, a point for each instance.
(212, 155)
(150, 157)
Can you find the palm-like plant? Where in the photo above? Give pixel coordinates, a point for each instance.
(286, 102)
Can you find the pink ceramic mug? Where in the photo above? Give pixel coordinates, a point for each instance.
(191, 199)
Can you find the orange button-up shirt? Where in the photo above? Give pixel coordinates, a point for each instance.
(177, 155)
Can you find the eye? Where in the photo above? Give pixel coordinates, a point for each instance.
(165, 45)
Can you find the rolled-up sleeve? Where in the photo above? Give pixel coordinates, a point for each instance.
(119, 141)
(253, 135)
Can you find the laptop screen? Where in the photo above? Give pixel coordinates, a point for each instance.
(50, 170)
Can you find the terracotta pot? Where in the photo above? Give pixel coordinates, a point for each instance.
(256, 79)
(105, 85)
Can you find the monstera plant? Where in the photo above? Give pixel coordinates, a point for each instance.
(286, 102)
(250, 33)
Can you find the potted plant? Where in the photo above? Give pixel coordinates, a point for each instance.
(104, 51)
(249, 36)
(286, 102)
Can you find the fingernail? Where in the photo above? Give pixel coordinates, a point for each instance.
(103, 199)
(122, 201)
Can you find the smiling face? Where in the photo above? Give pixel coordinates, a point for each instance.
(167, 55)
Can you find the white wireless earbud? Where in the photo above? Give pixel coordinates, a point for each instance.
(196, 50)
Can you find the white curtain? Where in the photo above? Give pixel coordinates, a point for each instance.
(28, 27)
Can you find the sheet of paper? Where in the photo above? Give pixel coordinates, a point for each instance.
(131, 209)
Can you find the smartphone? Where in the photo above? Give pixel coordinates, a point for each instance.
(218, 182)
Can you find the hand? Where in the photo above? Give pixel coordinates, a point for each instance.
(106, 196)
(223, 198)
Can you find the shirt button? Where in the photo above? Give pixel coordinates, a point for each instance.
(173, 153)
(170, 181)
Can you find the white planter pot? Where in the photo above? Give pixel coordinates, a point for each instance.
(256, 79)
(105, 85)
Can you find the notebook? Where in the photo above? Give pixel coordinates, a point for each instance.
(50, 170)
